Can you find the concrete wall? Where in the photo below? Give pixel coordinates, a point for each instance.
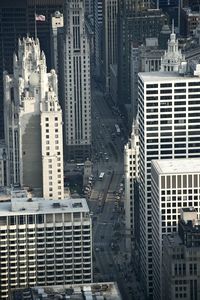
(31, 153)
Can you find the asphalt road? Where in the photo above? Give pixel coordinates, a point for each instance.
(105, 204)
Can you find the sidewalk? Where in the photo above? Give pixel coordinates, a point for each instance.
(125, 267)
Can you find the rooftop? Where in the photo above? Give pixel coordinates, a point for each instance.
(35, 205)
(174, 166)
(94, 291)
(166, 76)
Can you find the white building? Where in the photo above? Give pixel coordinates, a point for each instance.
(52, 147)
(131, 160)
(168, 128)
(57, 21)
(33, 123)
(75, 87)
(44, 242)
(175, 184)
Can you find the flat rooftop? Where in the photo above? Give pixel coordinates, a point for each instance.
(93, 291)
(166, 76)
(28, 206)
(177, 166)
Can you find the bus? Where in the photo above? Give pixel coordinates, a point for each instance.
(101, 176)
(117, 129)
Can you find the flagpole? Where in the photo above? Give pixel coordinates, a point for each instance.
(35, 24)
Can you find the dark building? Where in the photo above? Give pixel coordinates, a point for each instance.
(164, 36)
(166, 3)
(189, 19)
(181, 263)
(17, 19)
(134, 26)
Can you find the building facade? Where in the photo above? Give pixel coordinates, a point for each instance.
(135, 24)
(18, 19)
(33, 123)
(181, 259)
(75, 86)
(57, 21)
(109, 36)
(174, 185)
(189, 21)
(98, 19)
(168, 128)
(49, 242)
(131, 164)
(3, 164)
(145, 58)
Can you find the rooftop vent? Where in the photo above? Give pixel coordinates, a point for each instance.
(77, 204)
(56, 204)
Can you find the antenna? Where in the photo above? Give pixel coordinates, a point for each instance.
(172, 26)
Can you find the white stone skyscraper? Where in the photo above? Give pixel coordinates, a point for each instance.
(33, 123)
(131, 164)
(169, 110)
(74, 82)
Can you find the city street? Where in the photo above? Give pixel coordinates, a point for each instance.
(106, 200)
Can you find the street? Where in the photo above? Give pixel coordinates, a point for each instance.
(106, 199)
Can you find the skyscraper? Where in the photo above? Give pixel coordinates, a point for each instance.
(74, 75)
(33, 122)
(174, 185)
(135, 23)
(131, 164)
(98, 35)
(57, 22)
(181, 252)
(18, 19)
(109, 35)
(146, 58)
(168, 128)
(44, 242)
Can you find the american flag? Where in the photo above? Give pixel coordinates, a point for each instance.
(41, 18)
